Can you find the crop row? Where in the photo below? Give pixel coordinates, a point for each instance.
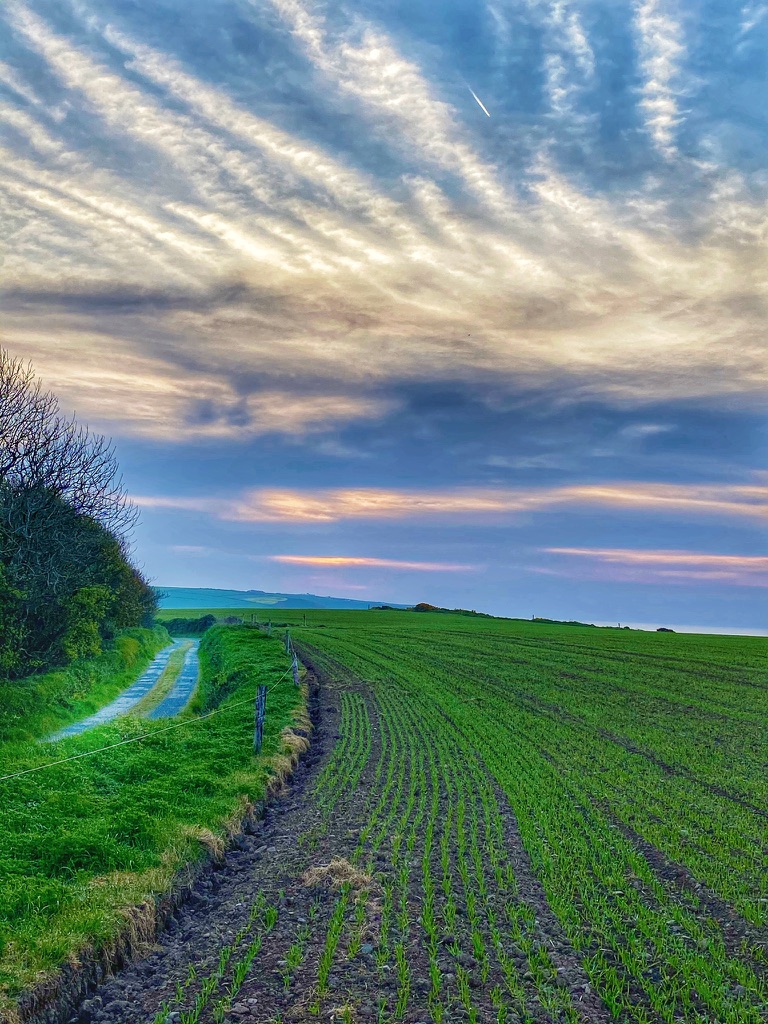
(648, 949)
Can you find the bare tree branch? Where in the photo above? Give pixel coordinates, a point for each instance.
(40, 449)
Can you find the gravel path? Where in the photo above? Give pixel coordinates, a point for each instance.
(183, 688)
(128, 698)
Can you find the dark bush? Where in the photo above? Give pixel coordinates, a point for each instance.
(189, 627)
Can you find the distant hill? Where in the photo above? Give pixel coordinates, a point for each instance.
(203, 597)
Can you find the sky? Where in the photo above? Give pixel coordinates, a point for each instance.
(460, 302)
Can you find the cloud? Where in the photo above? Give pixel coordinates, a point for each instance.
(312, 163)
(756, 563)
(365, 63)
(575, 36)
(126, 392)
(229, 263)
(640, 431)
(661, 48)
(657, 566)
(343, 562)
(11, 78)
(753, 14)
(569, 64)
(524, 462)
(275, 505)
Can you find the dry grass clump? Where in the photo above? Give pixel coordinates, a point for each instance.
(140, 931)
(345, 1014)
(295, 744)
(339, 872)
(213, 844)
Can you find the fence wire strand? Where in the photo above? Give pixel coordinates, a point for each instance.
(144, 736)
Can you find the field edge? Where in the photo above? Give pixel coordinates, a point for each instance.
(56, 997)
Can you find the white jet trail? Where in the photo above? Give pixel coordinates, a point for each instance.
(479, 101)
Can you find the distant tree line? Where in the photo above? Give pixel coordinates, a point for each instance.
(424, 607)
(67, 582)
(562, 622)
(195, 627)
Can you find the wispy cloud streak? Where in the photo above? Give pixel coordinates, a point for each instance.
(14, 81)
(661, 48)
(274, 505)
(740, 570)
(346, 562)
(753, 13)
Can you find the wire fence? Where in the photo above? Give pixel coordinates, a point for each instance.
(150, 735)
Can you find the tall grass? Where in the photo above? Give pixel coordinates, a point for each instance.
(89, 837)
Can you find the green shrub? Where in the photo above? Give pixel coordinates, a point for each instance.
(227, 658)
(13, 632)
(85, 611)
(189, 627)
(128, 648)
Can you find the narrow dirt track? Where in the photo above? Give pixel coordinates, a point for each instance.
(175, 702)
(183, 688)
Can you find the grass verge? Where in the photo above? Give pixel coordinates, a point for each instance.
(39, 705)
(87, 839)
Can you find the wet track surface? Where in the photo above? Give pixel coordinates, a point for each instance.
(176, 700)
(183, 688)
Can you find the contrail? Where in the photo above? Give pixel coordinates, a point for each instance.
(479, 101)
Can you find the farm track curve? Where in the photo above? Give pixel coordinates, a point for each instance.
(183, 687)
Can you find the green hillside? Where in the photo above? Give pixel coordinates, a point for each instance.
(203, 597)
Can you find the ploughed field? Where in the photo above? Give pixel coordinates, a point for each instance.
(498, 821)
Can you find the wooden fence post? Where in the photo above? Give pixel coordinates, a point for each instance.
(295, 668)
(260, 715)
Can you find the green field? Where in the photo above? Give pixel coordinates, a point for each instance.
(555, 804)
(84, 839)
(524, 822)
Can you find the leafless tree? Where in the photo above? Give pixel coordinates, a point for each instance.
(43, 451)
